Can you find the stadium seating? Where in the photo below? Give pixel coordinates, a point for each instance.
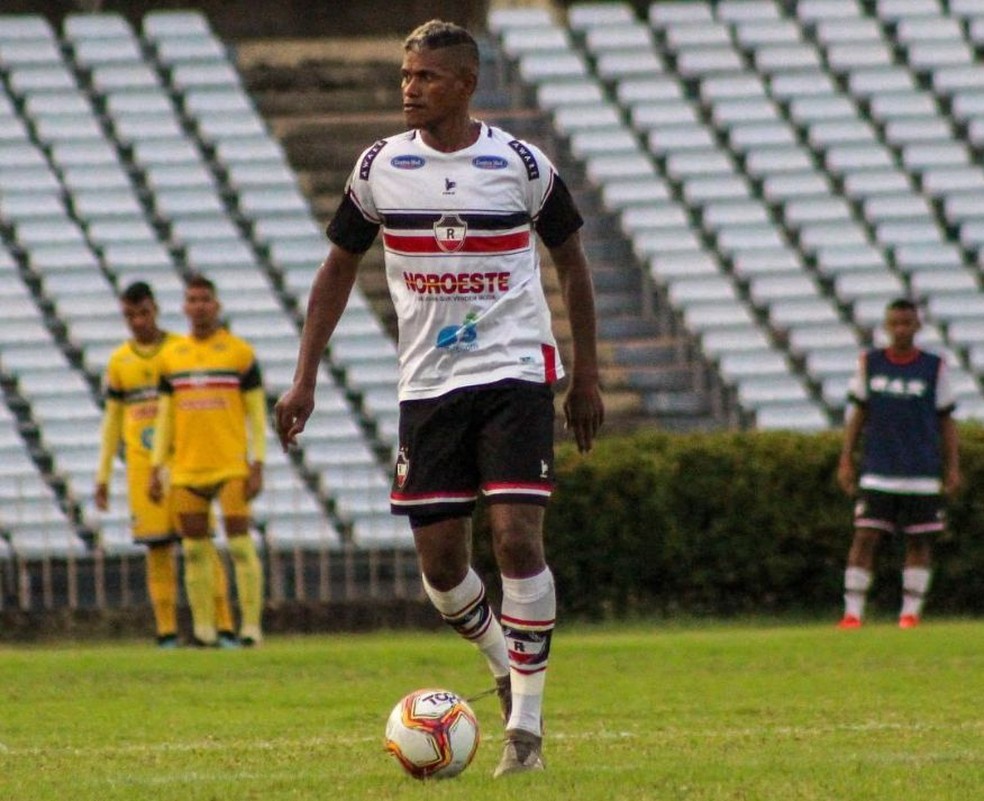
(782, 171)
(134, 153)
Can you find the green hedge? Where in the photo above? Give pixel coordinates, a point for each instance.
(731, 523)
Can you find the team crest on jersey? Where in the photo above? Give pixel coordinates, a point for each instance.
(402, 468)
(449, 231)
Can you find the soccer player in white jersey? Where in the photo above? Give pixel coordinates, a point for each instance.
(459, 202)
(901, 409)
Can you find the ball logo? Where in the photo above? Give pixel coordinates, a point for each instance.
(449, 231)
(407, 162)
(490, 162)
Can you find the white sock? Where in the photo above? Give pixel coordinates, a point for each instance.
(466, 609)
(915, 585)
(857, 582)
(529, 609)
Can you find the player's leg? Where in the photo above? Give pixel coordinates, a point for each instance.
(516, 467)
(191, 508)
(224, 622)
(925, 520)
(438, 489)
(858, 575)
(874, 514)
(458, 593)
(154, 527)
(162, 588)
(245, 560)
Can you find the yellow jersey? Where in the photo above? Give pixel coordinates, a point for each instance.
(204, 382)
(130, 391)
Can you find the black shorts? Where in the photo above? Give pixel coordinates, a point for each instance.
(495, 439)
(907, 513)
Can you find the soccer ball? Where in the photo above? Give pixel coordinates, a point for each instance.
(432, 734)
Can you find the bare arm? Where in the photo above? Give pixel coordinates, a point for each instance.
(584, 410)
(847, 476)
(330, 292)
(951, 455)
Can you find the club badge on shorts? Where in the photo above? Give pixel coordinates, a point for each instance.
(402, 468)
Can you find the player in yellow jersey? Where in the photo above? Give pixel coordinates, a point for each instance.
(212, 419)
(130, 386)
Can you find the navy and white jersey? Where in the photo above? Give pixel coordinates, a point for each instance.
(461, 256)
(903, 401)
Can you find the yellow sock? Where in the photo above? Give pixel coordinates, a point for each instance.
(162, 587)
(198, 585)
(223, 609)
(249, 585)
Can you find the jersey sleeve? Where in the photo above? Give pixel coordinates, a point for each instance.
(356, 221)
(946, 400)
(857, 388)
(559, 217)
(550, 204)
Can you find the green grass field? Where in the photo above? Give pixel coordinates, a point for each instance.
(727, 711)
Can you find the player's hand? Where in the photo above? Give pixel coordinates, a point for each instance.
(291, 413)
(254, 481)
(155, 489)
(101, 497)
(584, 412)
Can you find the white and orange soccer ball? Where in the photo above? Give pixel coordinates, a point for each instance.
(433, 734)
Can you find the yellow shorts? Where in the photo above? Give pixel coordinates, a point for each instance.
(230, 494)
(149, 522)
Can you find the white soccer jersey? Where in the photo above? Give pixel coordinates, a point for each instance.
(461, 256)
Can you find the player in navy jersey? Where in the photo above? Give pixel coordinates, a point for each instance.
(460, 205)
(900, 411)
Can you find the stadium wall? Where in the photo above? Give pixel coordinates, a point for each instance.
(243, 19)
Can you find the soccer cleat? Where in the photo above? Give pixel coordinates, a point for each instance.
(908, 621)
(249, 642)
(227, 641)
(522, 754)
(503, 689)
(849, 622)
(167, 642)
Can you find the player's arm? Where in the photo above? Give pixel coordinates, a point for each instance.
(255, 402)
(112, 431)
(330, 291)
(950, 437)
(584, 410)
(846, 473)
(163, 440)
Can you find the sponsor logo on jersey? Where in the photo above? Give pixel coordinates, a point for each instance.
(899, 387)
(449, 231)
(407, 162)
(459, 337)
(470, 284)
(490, 162)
